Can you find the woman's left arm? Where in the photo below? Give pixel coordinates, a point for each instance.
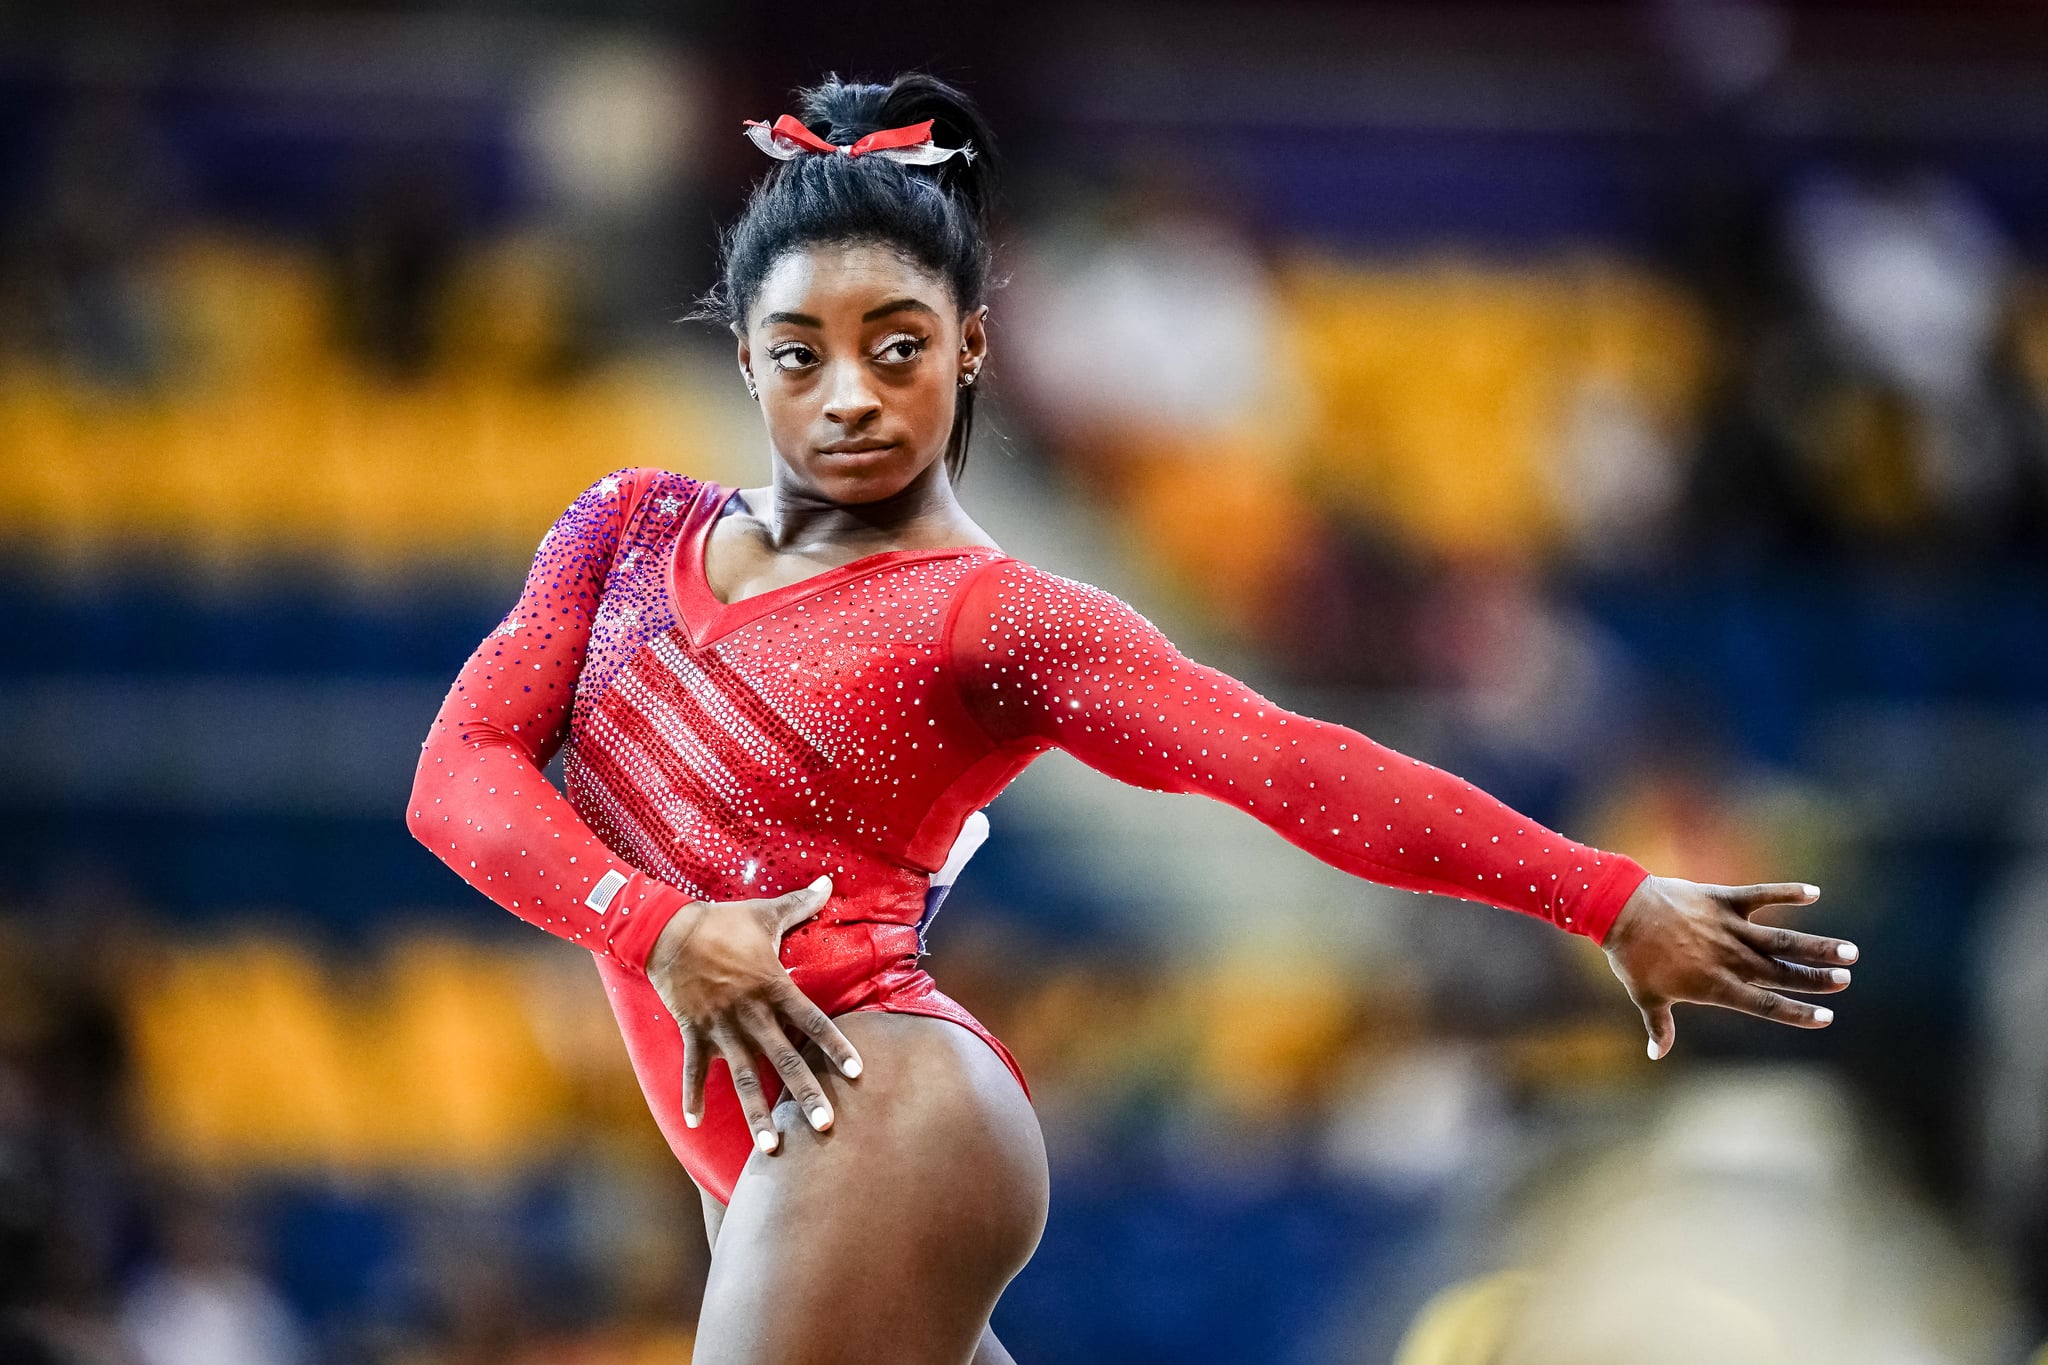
(1047, 661)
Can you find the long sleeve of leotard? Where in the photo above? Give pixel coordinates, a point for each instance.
(1044, 661)
(480, 798)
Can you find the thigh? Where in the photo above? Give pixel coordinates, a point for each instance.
(988, 1351)
(891, 1236)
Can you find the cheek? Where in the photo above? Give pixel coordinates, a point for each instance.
(928, 400)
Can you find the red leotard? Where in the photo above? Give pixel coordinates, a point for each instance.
(849, 724)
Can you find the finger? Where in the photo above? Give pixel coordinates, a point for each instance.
(1663, 1031)
(761, 1025)
(1791, 946)
(799, 905)
(1750, 899)
(1793, 976)
(1768, 1004)
(746, 1082)
(696, 1064)
(817, 1025)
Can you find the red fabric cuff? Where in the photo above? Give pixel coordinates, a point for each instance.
(1601, 905)
(643, 909)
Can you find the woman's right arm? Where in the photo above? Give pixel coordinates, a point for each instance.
(482, 802)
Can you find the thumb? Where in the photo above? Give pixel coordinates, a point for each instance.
(1663, 1032)
(797, 906)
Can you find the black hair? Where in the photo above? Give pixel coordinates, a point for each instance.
(936, 215)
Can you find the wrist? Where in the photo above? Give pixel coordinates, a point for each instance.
(1628, 916)
(1618, 886)
(678, 928)
(650, 909)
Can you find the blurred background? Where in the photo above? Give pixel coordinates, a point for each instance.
(1635, 407)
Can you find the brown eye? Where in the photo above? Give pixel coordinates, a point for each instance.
(900, 350)
(793, 357)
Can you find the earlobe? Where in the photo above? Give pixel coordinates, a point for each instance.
(973, 343)
(746, 360)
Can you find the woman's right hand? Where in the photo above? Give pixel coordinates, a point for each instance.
(716, 968)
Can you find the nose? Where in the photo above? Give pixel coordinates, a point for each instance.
(850, 401)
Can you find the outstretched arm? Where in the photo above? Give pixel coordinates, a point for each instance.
(1047, 661)
(1044, 661)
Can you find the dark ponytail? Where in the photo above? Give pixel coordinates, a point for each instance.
(936, 215)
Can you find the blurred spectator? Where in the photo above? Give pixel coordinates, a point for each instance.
(1884, 407)
(201, 1302)
(92, 240)
(395, 264)
(2011, 1174)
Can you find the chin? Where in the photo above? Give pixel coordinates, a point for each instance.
(869, 476)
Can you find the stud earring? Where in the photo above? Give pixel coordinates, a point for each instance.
(752, 392)
(967, 378)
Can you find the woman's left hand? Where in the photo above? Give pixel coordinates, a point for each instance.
(1677, 940)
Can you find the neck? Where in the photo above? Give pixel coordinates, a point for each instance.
(796, 516)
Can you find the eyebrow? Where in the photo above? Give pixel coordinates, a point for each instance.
(893, 306)
(897, 306)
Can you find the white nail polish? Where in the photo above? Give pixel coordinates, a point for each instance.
(1823, 1016)
(821, 1117)
(822, 884)
(766, 1140)
(691, 1120)
(851, 1068)
(1846, 951)
(1654, 1054)
(1809, 890)
(1839, 975)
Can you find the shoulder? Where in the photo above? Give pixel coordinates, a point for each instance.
(624, 495)
(1026, 583)
(1025, 600)
(624, 489)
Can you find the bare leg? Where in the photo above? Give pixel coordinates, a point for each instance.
(988, 1351)
(891, 1236)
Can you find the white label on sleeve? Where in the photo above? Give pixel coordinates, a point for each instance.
(600, 897)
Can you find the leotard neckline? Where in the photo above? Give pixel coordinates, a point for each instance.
(708, 620)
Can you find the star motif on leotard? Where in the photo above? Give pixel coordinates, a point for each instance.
(628, 617)
(668, 504)
(608, 485)
(629, 559)
(509, 629)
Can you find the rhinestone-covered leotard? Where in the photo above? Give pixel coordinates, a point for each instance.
(851, 724)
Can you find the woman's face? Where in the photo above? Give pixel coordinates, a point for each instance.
(857, 355)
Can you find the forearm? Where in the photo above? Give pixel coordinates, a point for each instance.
(483, 806)
(1393, 819)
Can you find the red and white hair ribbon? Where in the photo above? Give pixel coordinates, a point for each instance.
(786, 139)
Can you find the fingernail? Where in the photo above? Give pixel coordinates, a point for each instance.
(1823, 1016)
(691, 1120)
(1846, 951)
(1654, 1054)
(767, 1140)
(821, 1117)
(822, 884)
(1839, 975)
(851, 1067)
(1809, 889)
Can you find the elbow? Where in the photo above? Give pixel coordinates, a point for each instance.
(419, 804)
(416, 806)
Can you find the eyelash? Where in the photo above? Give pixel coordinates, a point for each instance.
(916, 343)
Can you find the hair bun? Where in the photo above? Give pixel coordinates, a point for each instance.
(845, 111)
